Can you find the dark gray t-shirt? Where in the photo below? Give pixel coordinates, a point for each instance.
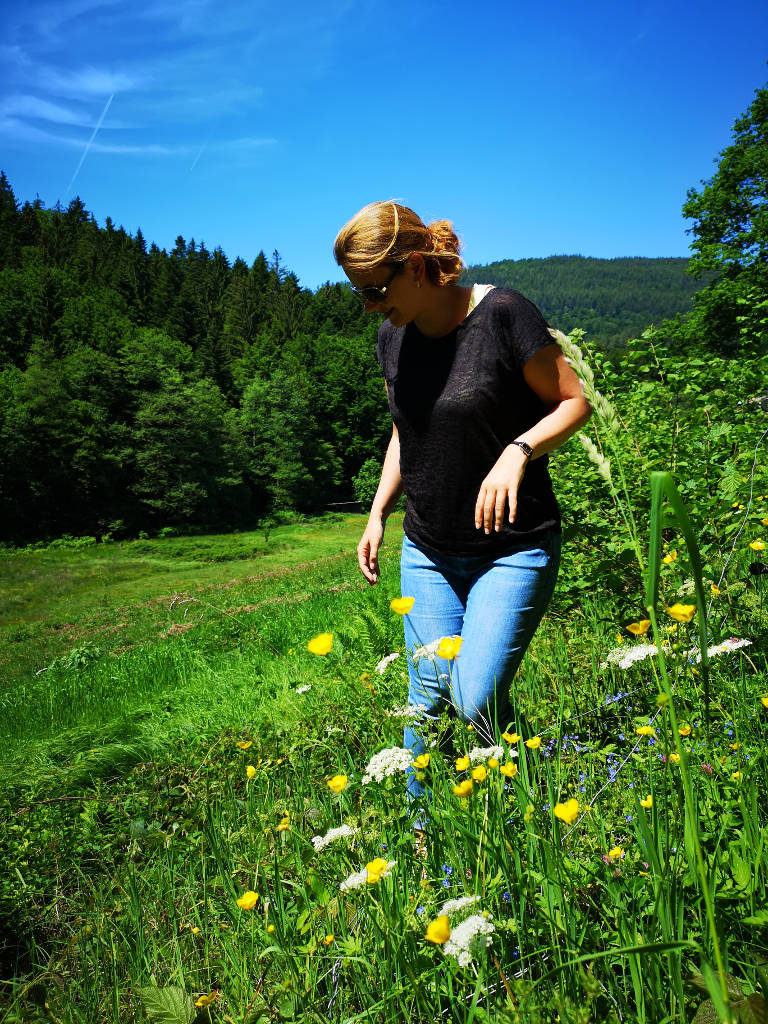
(457, 402)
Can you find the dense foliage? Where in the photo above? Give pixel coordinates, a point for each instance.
(730, 242)
(143, 389)
(612, 300)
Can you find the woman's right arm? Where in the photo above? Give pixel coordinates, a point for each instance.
(389, 490)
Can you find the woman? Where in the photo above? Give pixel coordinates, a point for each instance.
(479, 393)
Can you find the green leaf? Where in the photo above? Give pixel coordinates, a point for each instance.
(753, 1010)
(759, 920)
(169, 1005)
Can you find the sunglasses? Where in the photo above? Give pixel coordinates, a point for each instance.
(376, 295)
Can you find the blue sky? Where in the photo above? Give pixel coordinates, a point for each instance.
(537, 129)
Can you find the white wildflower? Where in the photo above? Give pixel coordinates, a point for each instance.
(454, 906)
(387, 762)
(382, 666)
(427, 651)
(303, 689)
(408, 711)
(483, 753)
(732, 644)
(471, 936)
(359, 878)
(342, 832)
(355, 880)
(625, 657)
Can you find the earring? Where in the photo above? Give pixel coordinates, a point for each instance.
(418, 284)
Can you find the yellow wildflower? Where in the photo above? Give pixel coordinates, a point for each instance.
(616, 853)
(647, 803)
(764, 701)
(250, 771)
(681, 612)
(670, 557)
(533, 743)
(674, 757)
(337, 783)
(736, 775)
(321, 644)
(376, 869)
(439, 930)
(480, 773)
(764, 522)
(248, 900)
(422, 761)
(509, 769)
(568, 812)
(207, 999)
(684, 730)
(530, 810)
(462, 763)
(245, 744)
(285, 824)
(493, 762)
(402, 605)
(270, 929)
(463, 788)
(639, 628)
(645, 730)
(714, 590)
(510, 737)
(734, 746)
(195, 930)
(449, 647)
(757, 545)
(328, 940)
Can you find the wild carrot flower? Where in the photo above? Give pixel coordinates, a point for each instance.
(248, 900)
(639, 628)
(533, 743)
(439, 930)
(387, 762)
(302, 689)
(463, 788)
(567, 812)
(509, 769)
(384, 664)
(483, 753)
(321, 644)
(462, 763)
(647, 803)
(681, 612)
(402, 605)
(470, 937)
(342, 832)
(337, 783)
(454, 906)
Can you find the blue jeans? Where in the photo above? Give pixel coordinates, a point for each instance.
(495, 605)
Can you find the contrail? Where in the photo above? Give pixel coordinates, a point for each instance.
(90, 143)
(198, 156)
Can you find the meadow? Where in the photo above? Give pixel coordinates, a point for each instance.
(203, 787)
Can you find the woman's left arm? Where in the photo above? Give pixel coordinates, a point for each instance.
(549, 375)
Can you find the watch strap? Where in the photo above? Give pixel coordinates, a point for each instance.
(525, 446)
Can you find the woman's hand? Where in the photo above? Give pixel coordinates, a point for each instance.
(368, 550)
(499, 489)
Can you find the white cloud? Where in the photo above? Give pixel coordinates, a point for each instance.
(87, 81)
(43, 110)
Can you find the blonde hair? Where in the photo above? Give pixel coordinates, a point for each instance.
(386, 232)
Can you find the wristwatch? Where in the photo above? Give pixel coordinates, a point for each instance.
(525, 446)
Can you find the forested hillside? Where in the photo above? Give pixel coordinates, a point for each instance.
(612, 300)
(141, 389)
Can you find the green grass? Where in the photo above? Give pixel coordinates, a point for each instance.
(131, 827)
